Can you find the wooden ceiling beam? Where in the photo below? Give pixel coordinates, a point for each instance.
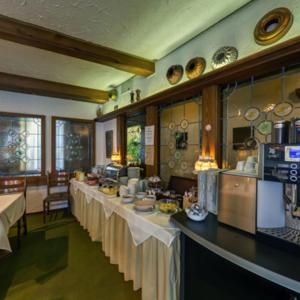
(35, 36)
(28, 85)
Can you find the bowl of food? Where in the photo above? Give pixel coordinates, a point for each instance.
(127, 199)
(140, 195)
(168, 206)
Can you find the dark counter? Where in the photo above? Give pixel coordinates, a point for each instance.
(244, 250)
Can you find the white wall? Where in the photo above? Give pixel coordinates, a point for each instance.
(31, 104)
(235, 30)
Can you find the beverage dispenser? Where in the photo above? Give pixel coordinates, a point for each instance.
(278, 201)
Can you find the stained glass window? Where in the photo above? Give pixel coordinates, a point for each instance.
(74, 145)
(20, 145)
(135, 152)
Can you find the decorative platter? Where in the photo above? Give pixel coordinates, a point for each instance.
(195, 67)
(265, 127)
(252, 114)
(283, 109)
(251, 143)
(174, 74)
(224, 56)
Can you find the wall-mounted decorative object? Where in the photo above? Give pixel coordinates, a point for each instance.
(238, 137)
(224, 56)
(174, 74)
(183, 165)
(195, 67)
(131, 96)
(273, 26)
(138, 94)
(252, 114)
(113, 94)
(109, 143)
(181, 140)
(99, 111)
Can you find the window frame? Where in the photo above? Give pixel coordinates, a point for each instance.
(34, 179)
(53, 137)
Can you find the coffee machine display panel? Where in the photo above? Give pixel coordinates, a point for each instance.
(292, 154)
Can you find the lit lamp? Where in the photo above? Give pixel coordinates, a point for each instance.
(116, 157)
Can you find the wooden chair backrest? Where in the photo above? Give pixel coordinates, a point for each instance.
(58, 179)
(181, 184)
(12, 185)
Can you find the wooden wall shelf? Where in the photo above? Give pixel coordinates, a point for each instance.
(258, 64)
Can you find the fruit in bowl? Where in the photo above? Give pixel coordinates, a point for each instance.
(168, 206)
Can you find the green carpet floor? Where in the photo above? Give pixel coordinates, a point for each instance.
(58, 261)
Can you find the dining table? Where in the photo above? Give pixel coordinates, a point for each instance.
(12, 208)
(146, 247)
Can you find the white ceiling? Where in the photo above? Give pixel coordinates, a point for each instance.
(147, 28)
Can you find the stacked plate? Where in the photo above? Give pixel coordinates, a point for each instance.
(127, 199)
(144, 206)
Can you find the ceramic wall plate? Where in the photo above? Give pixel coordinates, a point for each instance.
(252, 114)
(195, 67)
(224, 56)
(283, 109)
(184, 124)
(174, 74)
(265, 127)
(273, 26)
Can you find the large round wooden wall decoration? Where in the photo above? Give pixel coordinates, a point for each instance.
(195, 67)
(174, 74)
(273, 26)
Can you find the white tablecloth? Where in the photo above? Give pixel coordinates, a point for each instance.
(12, 207)
(145, 247)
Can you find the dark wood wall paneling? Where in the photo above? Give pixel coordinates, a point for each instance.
(121, 138)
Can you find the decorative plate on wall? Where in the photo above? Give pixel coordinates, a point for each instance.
(265, 127)
(184, 124)
(252, 113)
(195, 67)
(174, 74)
(273, 26)
(283, 109)
(224, 56)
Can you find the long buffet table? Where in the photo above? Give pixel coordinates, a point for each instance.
(12, 208)
(145, 247)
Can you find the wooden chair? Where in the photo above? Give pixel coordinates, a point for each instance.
(181, 184)
(55, 200)
(13, 185)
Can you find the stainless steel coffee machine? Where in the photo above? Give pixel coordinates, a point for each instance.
(278, 192)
